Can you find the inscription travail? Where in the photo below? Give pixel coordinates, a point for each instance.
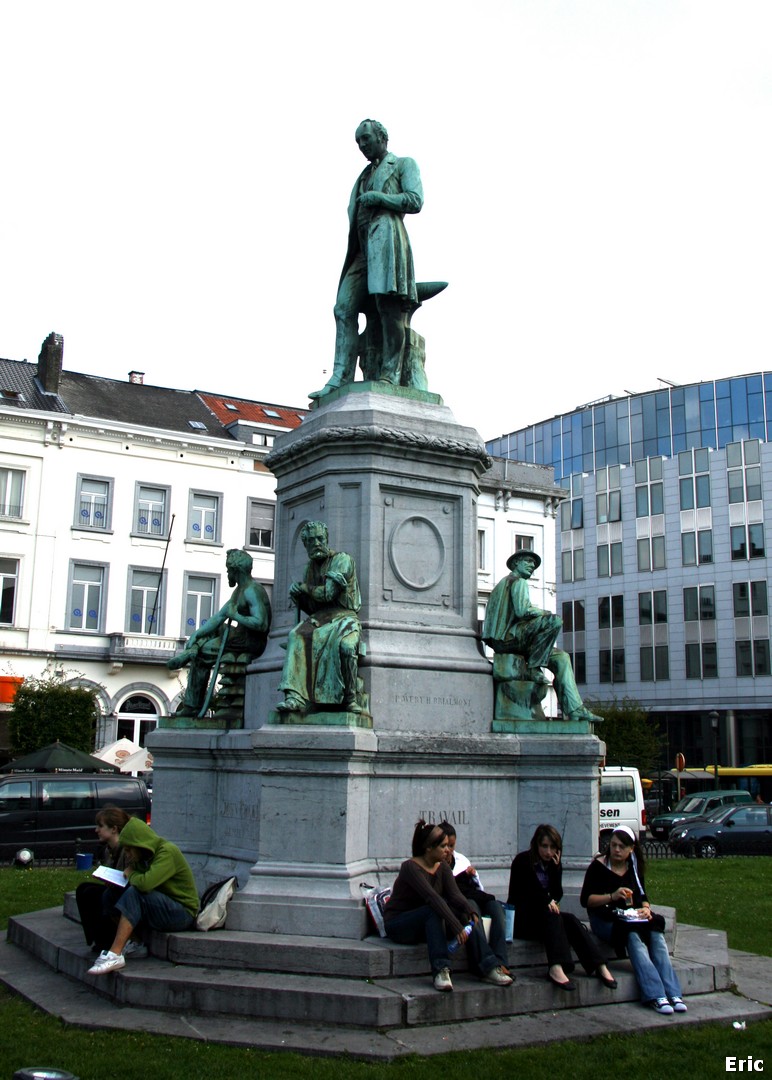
(453, 817)
(240, 810)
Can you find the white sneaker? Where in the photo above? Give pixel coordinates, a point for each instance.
(109, 961)
(498, 977)
(678, 1005)
(442, 980)
(663, 1007)
(135, 949)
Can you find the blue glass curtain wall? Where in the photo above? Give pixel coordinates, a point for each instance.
(659, 423)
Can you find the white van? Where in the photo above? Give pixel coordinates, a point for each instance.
(621, 803)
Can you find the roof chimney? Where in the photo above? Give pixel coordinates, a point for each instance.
(137, 377)
(50, 363)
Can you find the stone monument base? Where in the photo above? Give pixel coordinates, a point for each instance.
(305, 815)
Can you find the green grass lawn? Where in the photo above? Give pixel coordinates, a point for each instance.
(725, 894)
(705, 892)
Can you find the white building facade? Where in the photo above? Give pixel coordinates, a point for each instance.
(113, 533)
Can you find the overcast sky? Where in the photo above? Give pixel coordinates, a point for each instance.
(597, 180)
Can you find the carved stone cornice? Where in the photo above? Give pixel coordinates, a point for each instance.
(375, 433)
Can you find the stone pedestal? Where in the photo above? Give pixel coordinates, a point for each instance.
(395, 479)
(306, 812)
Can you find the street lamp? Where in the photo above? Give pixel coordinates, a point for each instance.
(713, 717)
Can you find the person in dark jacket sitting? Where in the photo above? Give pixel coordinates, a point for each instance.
(536, 889)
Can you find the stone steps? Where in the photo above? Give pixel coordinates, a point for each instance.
(370, 984)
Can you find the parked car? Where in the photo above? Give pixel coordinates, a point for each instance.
(52, 814)
(693, 806)
(732, 830)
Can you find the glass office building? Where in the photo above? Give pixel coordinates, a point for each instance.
(662, 561)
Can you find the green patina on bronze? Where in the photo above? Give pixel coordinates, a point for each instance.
(222, 647)
(523, 637)
(321, 667)
(378, 279)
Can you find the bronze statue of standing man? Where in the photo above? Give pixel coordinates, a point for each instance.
(378, 276)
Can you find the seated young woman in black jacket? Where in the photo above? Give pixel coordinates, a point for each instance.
(536, 889)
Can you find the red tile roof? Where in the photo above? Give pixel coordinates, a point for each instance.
(254, 411)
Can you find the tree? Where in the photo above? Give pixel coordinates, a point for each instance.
(47, 709)
(631, 736)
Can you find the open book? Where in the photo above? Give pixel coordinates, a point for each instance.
(114, 877)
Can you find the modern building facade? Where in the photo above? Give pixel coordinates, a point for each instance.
(663, 558)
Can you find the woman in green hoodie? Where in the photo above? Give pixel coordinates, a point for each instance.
(160, 893)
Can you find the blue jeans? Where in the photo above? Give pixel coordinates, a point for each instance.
(154, 909)
(481, 954)
(421, 924)
(651, 963)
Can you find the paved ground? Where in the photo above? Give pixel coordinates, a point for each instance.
(76, 1004)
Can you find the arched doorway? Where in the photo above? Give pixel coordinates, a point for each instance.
(137, 716)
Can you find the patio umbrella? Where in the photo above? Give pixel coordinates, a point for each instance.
(58, 757)
(142, 761)
(117, 752)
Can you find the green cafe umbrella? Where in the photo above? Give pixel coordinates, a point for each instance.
(58, 757)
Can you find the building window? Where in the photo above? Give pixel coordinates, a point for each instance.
(654, 650)
(609, 559)
(261, 524)
(11, 493)
(696, 513)
(86, 592)
(611, 656)
(572, 564)
(649, 489)
(750, 598)
(200, 594)
(751, 628)
(652, 608)
(701, 660)
(523, 542)
(697, 547)
(611, 663)
(204, 516)
(611, 612)
(572, 531)
(651, 553)
(9, 577)
(694, 479)
(700, 631)
(481, 552)
(747, 541)
(608, 496)
(145, 608)
(573, 637)
(93, 503)
(151, 510)
(700, 603)
(743, 463)
(137, 717)
(572, 510)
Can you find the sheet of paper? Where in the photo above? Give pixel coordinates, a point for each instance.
(106, 873)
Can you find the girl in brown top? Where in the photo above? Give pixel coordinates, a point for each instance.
(426, 905)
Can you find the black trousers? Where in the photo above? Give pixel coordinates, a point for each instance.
(98, 917)
(560, 933)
